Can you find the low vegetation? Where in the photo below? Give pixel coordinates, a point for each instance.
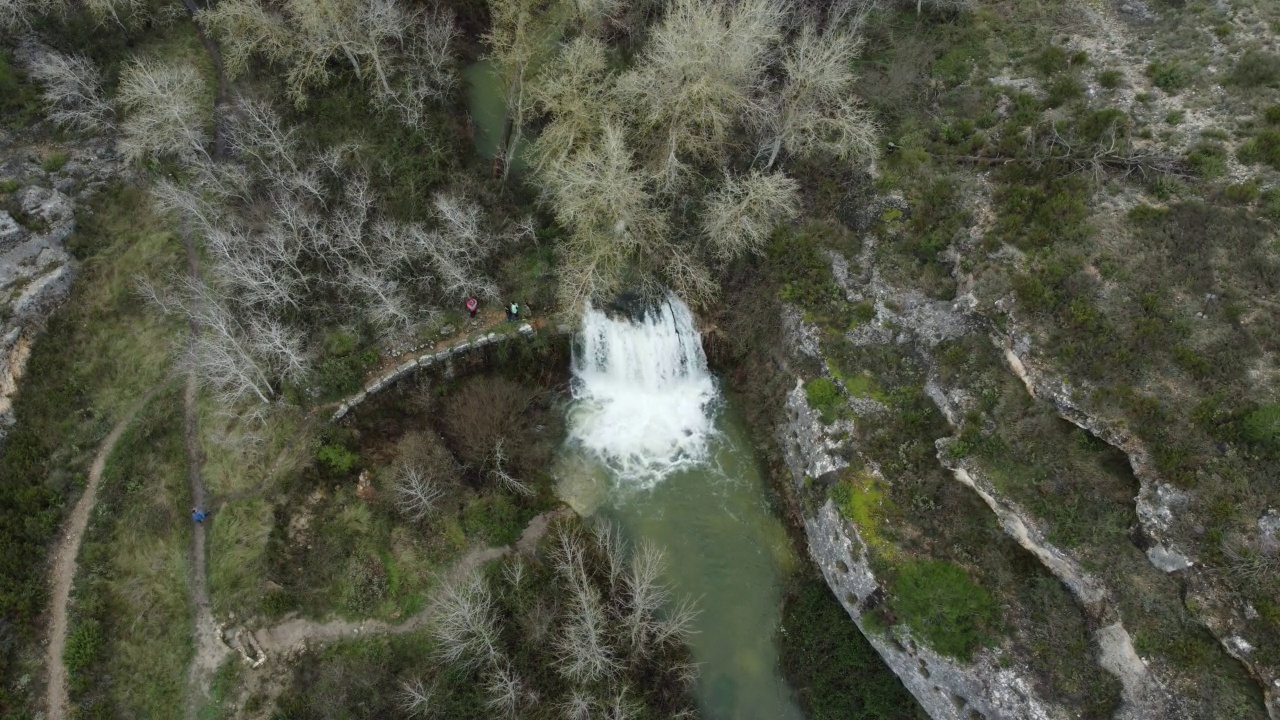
(577, 630)
(836, 673)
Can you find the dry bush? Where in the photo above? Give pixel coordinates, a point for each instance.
(167, 106)
(73, 90)
(485, 412)
(423, 473)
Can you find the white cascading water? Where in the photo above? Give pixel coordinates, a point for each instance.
(644, 395)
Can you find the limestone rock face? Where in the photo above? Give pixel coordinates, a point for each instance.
(36, 218)
(945, 688)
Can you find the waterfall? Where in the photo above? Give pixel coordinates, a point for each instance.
(644, 398)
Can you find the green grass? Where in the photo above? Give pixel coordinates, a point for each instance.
(131, 588)
(944, 608)
(84, 372)
(825, 397)
(1110, 79)
(861, 499)
(19, 100)
(835, 672)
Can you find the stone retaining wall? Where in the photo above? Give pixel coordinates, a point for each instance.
(525, 331)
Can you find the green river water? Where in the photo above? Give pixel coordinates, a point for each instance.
(726, 548)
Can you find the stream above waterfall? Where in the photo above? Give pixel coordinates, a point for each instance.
(657, 450)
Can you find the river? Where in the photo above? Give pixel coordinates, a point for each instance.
(656, 449)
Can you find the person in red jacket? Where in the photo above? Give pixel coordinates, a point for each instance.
(473, 305)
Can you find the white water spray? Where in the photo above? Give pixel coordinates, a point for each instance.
(644, 395)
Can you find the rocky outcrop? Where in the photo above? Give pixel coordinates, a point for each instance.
(1160, 509)
(812, 450)
(37, 215)
(945, 688)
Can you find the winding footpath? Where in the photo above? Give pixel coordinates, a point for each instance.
(57, 698)
(210, 650)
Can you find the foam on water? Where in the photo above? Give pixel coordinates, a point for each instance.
(645, 399)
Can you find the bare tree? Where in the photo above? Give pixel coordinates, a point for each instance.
(504, 478)
(425, 73)
(601, 193)
(72, 89)
(595, 15)
(514, 571)
(814, 110)
(463, 621)
(575, 91)
(696, 75)
(578, 705)
(238, 357)
(167, 105)
(646, 595)
(256, 132)
(613, 548)
(584, 649)
(415, 697)
(416, 493)
(740, 216)
(621, 707)
(122, 12)
(505, 689)
(516, 49)
(403, 56)
(15, 14)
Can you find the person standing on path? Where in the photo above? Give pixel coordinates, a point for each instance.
(513, 312)
(198, 515)
(473, 305)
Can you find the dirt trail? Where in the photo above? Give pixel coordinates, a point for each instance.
(57, 700)
(288, 638)
(294, 634)
(210, 651)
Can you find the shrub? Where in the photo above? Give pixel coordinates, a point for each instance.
(344, 368)
(336, 459)
(1051, 61)
(1265, 149)
(943, 606)
(824, 396)
(494, 519)
(54, 162)
(1110, 79)
(1175, 118)
(863, 312)
(1040, 207)
(862, 499)
(83, 646)
(486, 411)
(1272, 115)
(1255, 69)
(1262, 426)
(836, 673)
(802, 269)
(1062, 89)
(1243, 193)
(1208, 159)
(1100, 123)
(1271, 203)
(1146, 213)
(1168, 77)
